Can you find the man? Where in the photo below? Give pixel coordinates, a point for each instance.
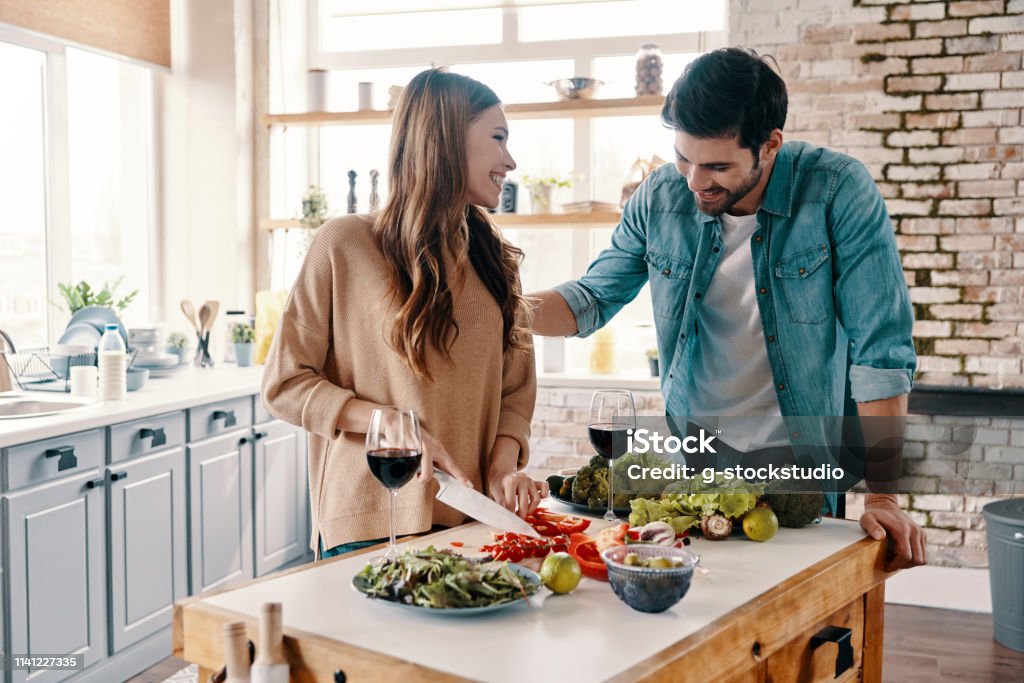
(775, 279)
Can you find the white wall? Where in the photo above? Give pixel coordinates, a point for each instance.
(204, 119)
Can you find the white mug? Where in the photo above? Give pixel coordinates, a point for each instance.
(83, 381)
(365, 96)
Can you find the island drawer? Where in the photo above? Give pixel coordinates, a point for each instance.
(42, 461)
(148, 435)
(217, 418)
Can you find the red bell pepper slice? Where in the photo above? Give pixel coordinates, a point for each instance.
(584, 549)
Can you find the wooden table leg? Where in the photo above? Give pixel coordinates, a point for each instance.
(874, 633)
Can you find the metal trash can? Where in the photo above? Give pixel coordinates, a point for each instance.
(1004, 520)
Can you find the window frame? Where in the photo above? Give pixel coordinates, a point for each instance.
(56, 138)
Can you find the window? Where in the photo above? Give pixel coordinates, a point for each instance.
(76, 167)
(22, 195)
(517, 47)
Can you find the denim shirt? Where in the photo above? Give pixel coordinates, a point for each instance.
(832, 295)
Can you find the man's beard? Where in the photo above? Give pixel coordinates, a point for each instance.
(730, 198)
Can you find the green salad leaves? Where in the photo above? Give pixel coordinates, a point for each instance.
(684, 504)
(441, 579)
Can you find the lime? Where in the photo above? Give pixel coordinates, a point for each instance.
(760, 524)
(560, 572)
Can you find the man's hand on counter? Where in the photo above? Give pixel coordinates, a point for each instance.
(883, 517)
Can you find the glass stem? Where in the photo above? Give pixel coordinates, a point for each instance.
(610, 477)
(393, 546)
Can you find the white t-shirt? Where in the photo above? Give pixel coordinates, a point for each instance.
(730, 375)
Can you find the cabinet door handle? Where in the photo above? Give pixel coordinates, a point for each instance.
(95, 483)
(840, 636)
(260, 435)
(244, 440)
(227, 415)
(157, 435)
(67, 457)
(118, 476)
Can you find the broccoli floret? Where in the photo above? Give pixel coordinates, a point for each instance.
(793, 503)
(597, 462)
(590, 483)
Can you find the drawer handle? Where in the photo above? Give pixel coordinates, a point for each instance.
(227, 415)
(157, 435)
(95, 483)
(840, 636)
(244, 440)
(260, 435)
(340, 677)
(67, 457)
(118, 476)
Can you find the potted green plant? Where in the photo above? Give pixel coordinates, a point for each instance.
(83, 295)
(177, 343)
(540, 189)
(652, 360)
(243, 336)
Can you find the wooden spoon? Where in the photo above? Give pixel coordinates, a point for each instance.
(190, 312)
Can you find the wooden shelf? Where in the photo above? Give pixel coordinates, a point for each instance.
(599, 219)
(647, 105)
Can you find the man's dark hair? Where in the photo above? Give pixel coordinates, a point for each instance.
(727, 92)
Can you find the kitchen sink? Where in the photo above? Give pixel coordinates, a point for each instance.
(27, 407)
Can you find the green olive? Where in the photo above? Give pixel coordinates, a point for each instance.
(632, 559)
(660, 563)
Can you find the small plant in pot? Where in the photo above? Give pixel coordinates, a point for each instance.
(243, 336)
(652, 361)
(177, 343)
(541, 188)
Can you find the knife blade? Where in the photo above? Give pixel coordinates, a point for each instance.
(479, 507)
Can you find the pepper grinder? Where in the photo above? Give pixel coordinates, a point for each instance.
(374, 197)
(351, 191)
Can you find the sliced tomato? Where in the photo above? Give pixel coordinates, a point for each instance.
(612, 536)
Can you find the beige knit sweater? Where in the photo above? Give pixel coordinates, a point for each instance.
(331, 346)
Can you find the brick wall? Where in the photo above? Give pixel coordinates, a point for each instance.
(952, 466)
(928, 95)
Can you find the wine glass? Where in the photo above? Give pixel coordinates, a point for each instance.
(394, 450)
(612, 415)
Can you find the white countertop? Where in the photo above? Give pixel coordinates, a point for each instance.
(189, 387)
(586, 636)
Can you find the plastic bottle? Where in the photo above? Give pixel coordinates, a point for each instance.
(236, 653)
(270, 665)
(113, 362)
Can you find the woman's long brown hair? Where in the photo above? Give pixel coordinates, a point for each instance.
(426, 215)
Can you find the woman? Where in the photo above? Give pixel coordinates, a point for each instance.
(420, 307)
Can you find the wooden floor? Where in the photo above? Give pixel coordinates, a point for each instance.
(921, 646)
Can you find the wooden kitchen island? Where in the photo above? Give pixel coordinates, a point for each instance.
(752, 617)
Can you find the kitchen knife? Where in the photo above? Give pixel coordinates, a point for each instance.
(479, 507)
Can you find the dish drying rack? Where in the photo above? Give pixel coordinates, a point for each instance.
(40, 369)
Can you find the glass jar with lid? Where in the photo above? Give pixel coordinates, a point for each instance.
(649, 69)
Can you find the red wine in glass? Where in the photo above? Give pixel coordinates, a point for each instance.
(609, 439)
(394, 449)
(612, 415)
(394, 467)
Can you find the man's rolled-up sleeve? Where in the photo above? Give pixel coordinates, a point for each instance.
(871, 296)
(617, 274)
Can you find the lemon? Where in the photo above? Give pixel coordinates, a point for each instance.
(760, 524)
(560, 573)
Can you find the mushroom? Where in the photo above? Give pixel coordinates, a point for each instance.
(716, 527)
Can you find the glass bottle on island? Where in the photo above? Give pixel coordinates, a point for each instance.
(612, 416)
(394, 450)
(270, 665)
